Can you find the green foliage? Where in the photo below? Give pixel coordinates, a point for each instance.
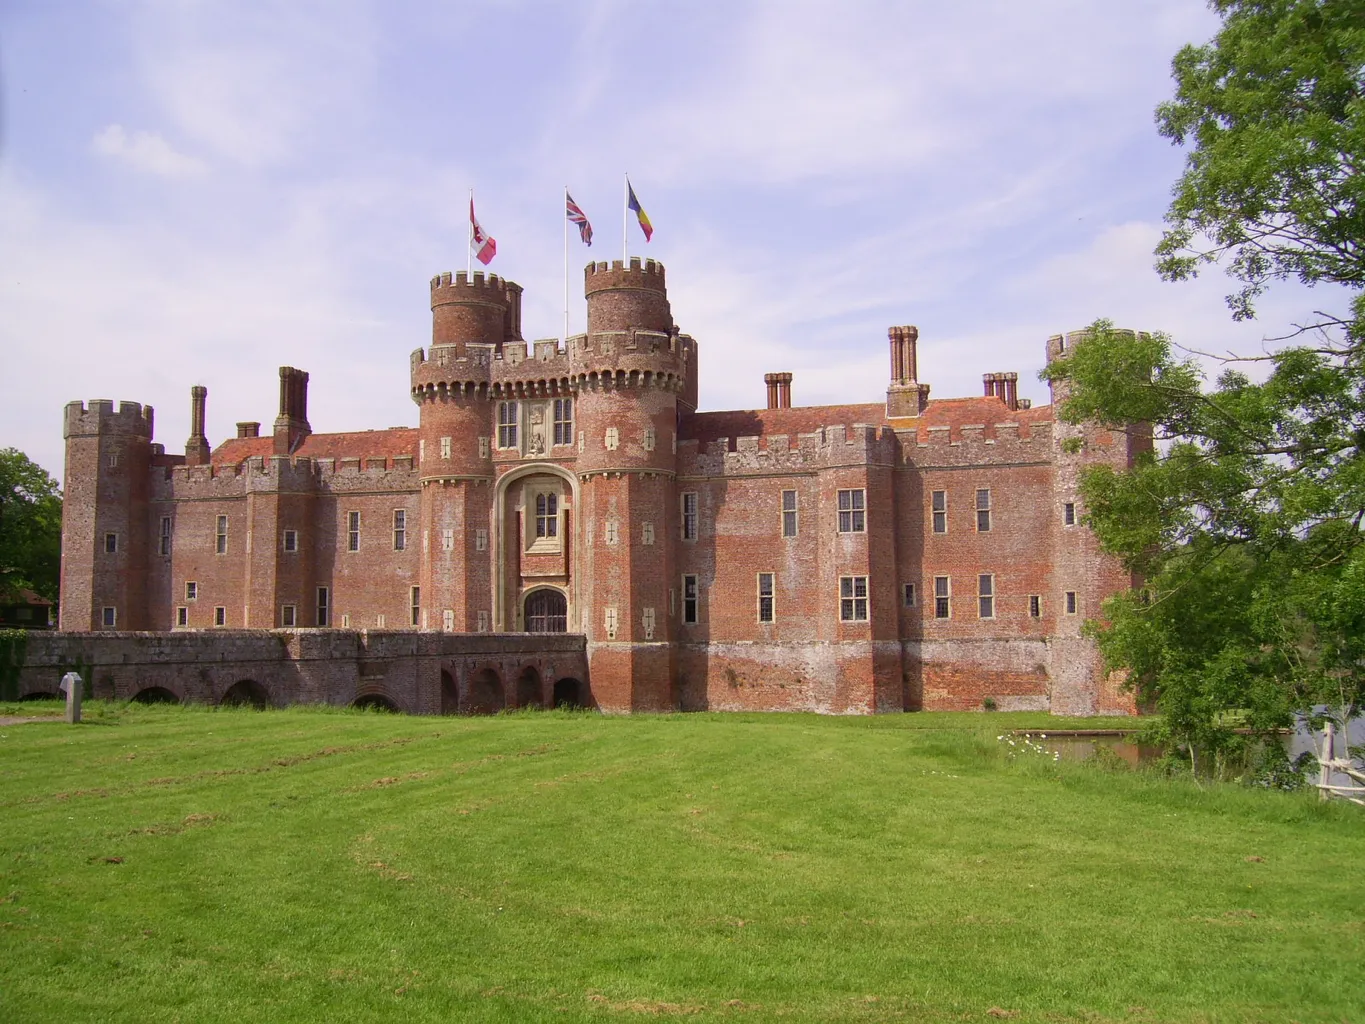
(30, 525)
(1273, 110)
(1245, 523)
(169, 863)
(12, 645)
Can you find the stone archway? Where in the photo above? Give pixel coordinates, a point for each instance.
(568, 693)
(155, 695)
(246, 692)
(546, 610)
(486, 696)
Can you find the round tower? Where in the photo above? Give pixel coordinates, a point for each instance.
(477, 310)
(622, 298)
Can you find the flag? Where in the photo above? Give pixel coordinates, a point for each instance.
(483, 244)
(577, 216)
(634, 204)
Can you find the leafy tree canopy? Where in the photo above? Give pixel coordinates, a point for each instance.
(30, 525)
(1273, 113)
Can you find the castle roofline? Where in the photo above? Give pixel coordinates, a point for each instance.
(361, 444)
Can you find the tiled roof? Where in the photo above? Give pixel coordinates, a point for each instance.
(359, 444)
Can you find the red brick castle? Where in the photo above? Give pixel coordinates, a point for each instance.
(898, 555)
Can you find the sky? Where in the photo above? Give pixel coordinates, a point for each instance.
(197, 192)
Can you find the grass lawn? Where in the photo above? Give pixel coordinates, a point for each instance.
(173, 864)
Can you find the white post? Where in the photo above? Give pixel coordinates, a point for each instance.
(469, 242)
(72, 686)
(625, 219)
(1326, 780)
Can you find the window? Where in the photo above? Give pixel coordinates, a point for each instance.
(908, 595)
(943, 592)
(483, 622)
(689, 598)
(689, 515)
(164, 543)
(985, 596)
(647, 621)
(220, 544)
(563, 417)
(352, 531)
(649, 439)
(853, 598)
(109, 617)
(613, 439)
(324, 607)
(445, 447)
(220, 616)
(789, 513)
(852, 518)
(1035, 606)
(191, 590)
(447, 540)
(415, 604)
(291, 540)
(182, 616)
(609, 621)
(484, 447)
(507, 424)
(765, 597)
(288, 615)
(481, 540)
(1069, 514)
(939, 506)
(983, 510)
(448, 620)
(1071, 602)
(111, 543)
(381, 621)
(647, 533)
(547, 515)
(612, 527)
(112, 460)
(400, 529)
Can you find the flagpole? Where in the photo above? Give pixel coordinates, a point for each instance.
(566, 267)
(625, 219)
(469, 244)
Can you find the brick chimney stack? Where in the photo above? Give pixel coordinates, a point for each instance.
(291, 426)
(906, 396)
(197, 447)
(779, 390)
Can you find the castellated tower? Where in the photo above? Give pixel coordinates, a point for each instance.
(634, 370)
(105, 530)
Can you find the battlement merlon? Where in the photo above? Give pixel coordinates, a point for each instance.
(618, 274)
(474, 308)
(99, 417)
(463, 288)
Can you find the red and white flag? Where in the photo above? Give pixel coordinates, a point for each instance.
(483, 245)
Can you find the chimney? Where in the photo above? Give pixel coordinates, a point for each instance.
(197, 447)
(1011, 386)
(249, 428)
(291, 426)
(906, 396)
(779, 390)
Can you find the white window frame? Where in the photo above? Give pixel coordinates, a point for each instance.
(766, 594)
(111, 543)
(191, 591)
(852, 507)
(220, 543)
(938, 511)
(853, 599)
(109, 617)
(562, 415)
(220, 615)
(909, 596)
(324, 607)
(1068, 513)
(353, 530)
(1073, 603)
(289, 540)
(790, 506)
(691, 605)
(400, 529)
(164, 538)
(415, 605)
(1035, 606)
(509, 418)
(689, 523)
(983, 494)
(182, 616)
(289, 616)
(943, 597)
(985, 595)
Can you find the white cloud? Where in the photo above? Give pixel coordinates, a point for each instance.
(145, 151)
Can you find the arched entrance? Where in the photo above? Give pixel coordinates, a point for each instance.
(485, 693)
(546, 611)
(246, 692)
(155, 695)
(528, 688)
(568, 693)
(450, 694)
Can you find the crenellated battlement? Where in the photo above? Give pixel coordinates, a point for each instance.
(463, 288)
(99, 417)
(619, 274)
(830, 447)
(977, 444)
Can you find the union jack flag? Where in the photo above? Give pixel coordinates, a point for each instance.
(577, 216)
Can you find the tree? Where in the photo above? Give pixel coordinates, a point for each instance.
(30, 525)
(1245, 522)
(1274, 113)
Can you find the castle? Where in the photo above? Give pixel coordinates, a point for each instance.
(902, 554)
